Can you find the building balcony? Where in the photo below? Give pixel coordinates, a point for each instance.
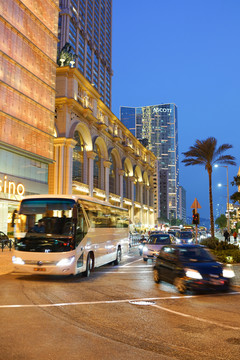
(127, 201)
(99, 193)
(80, 188)
(115, 198)
(101, 125)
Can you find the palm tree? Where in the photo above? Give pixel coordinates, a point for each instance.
(205, 152)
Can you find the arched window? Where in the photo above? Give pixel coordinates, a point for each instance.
(77, 174)
(97, 168)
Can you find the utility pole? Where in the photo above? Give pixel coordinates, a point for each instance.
(196, 206)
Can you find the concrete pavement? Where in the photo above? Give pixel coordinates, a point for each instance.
(6, 265)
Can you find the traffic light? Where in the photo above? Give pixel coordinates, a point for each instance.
(195, 217)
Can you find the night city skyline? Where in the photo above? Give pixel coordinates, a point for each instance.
(183, 53)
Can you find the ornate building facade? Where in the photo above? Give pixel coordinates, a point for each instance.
(95, 154)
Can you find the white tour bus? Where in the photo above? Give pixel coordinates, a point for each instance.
(64, 235)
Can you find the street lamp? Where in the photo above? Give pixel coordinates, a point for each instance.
(228, 217)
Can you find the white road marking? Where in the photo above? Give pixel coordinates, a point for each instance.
(197, 318)
(94, 302)
(124, 272)
(130, 263)
(176, 297)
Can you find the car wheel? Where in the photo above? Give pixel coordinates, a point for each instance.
(180, 285)
(119, 257)
(144, 259)
(156, 276)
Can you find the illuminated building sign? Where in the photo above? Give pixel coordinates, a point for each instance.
(161, 110)
(11, 188)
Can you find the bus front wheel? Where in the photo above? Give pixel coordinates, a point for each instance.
(119, 257)
(89, 265)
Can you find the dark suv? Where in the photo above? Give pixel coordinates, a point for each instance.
(191, 267)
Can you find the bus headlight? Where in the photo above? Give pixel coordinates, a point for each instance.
(17, 260)
(66, 261)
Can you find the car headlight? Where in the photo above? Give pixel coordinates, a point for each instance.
(194, 274)
(228, 272)
(189, 240)
(17, 260)
(145, 249)
(178, 240)
(66, 261)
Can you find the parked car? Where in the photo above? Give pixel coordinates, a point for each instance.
(154, 244)
(191, 267)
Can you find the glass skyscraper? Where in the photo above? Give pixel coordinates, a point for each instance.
(158, 124)
(87, 26)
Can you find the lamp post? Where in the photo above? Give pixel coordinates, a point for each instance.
(228, 216)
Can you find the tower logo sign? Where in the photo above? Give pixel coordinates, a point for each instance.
(161, 110)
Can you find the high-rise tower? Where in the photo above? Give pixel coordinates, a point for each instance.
(158, 124)
(28, 49)
(87, 26)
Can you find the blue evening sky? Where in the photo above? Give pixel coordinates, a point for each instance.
(184, 52)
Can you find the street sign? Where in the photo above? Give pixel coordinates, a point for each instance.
(196, 205)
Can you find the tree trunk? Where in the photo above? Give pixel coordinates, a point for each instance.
(211, 203)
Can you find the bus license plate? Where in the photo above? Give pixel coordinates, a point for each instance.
(39, 269)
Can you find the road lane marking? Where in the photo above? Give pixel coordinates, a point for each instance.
(175, 297)
(124, 272)
(130, 263)
(197, 318)
(94, 302)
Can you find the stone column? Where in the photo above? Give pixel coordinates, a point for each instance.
(102, 174)
(60, 173)
(85, 167)
(106, 165)
(121, 174)
(131, 181)
(147, 195)
(68, 166)
(56, 169)
(90, 155)
(140, 189)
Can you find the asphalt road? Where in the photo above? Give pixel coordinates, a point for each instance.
(117, 313)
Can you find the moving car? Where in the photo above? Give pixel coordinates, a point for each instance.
(154, 244)
(185, 237)
(142, 241)
(191, 267)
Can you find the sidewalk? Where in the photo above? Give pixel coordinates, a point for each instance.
(6, 265)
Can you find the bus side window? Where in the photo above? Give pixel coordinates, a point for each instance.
(81, 228)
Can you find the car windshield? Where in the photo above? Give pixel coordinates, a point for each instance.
(195, 254)
(185, 235)
(159, 239)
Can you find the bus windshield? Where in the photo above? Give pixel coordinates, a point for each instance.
(45, 225)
